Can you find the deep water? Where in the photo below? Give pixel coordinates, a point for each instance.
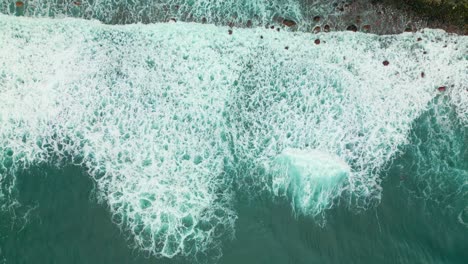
(65, 225)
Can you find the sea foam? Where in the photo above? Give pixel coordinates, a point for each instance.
(171, 120)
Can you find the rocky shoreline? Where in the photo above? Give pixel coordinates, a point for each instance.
(450, 15)
(369, 16)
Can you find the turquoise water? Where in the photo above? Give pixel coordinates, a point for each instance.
(197, 142)
(66, 225)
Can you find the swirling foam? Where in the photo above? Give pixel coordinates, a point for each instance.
(160, 114)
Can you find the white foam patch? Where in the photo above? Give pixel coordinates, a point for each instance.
(294, 99)
(308, 178)
(158, 114)
(141, 113)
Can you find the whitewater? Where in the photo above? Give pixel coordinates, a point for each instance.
(173, 121)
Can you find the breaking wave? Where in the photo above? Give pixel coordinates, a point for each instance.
(172, 120)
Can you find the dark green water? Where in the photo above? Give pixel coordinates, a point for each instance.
(66, 225)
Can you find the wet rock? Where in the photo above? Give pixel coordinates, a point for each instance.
(289, 23)
(352, 28)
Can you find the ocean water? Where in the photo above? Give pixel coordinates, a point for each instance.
(187, 142)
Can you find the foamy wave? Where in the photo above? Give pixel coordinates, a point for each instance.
(160, 114)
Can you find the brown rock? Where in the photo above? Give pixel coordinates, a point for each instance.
(366, 28)
(289, 23)
(442, 89)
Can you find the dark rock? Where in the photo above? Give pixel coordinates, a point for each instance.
(289, 23)
(352, 28)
